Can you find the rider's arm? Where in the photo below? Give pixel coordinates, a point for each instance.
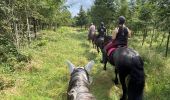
(114, 33)
(105, 31)
(129, 33)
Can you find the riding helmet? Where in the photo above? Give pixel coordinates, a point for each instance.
(122, 20)
(102, 23)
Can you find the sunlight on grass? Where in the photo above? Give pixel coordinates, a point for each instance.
(46, 76)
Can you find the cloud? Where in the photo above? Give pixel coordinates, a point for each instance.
(74, 5)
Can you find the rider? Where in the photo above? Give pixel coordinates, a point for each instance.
(92, 30)
(102, 33)
(119, 35)
(101, 30)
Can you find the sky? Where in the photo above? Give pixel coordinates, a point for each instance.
(74, 5)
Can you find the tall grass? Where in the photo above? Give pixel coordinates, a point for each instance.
(45, 76)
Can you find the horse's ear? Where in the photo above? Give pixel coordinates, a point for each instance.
(89, 66)
(70, 66)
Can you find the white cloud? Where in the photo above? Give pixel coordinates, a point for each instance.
(74, 5)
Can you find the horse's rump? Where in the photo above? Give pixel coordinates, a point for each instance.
(99, 41)
(91, 35)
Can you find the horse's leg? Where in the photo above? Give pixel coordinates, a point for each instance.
(105, 62)
(116, 76)
(93, 44)
(104, 58)
(122, 80)
(98, 49)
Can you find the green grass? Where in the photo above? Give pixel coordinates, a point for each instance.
(46, 76)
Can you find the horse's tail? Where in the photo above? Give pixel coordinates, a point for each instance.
(137, 79)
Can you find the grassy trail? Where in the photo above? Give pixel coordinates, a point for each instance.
(46, 76)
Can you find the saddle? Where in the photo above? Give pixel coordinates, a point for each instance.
(110, 51)
(111, 47)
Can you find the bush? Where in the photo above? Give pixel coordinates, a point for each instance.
(9, 55)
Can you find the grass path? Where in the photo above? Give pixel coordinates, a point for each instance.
(46, 76)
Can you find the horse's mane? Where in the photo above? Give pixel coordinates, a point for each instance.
(78, 76)
(107, 39)
(79, 83)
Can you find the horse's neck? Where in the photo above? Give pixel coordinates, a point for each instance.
(79, 81)
(81, 88)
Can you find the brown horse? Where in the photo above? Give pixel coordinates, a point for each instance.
(91, 37)
(79, 82)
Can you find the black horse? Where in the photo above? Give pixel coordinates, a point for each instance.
(127, 62)
(98, 42)
(79, 82)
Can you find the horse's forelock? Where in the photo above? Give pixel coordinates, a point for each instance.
(79, 82)
(80, 74)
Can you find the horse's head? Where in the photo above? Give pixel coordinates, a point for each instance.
(79, 82)
(82, 70)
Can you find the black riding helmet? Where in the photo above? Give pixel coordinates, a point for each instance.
(102, 23)
(122, 20)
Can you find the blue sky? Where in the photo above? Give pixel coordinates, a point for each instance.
(74, 5)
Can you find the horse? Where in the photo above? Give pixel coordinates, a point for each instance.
(79, 82)
(128, 63)
(98, 41)
(91, 37)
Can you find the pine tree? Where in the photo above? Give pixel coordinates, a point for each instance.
(82, 17)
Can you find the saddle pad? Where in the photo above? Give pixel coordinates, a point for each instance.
(110, 51)
(108, 46)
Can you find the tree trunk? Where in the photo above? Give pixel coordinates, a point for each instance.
(34, 27)
(152, 37)
(144, 36)
(166, 54)
(28, 30)
(16, 34)
(27, 24)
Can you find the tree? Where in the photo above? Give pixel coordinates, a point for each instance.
(123, 8)
(82, 17)
(21, 19)
(163, 12)
(104, 11)
(145, 17)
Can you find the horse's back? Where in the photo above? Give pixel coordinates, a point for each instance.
(124, 56)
